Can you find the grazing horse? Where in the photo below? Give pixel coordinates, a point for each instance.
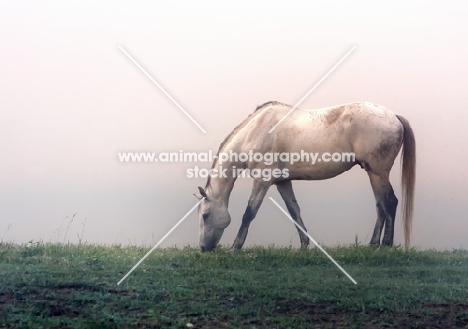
(372, 133)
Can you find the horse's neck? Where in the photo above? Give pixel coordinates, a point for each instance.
(220, 187)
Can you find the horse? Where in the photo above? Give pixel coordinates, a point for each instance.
(370, 132)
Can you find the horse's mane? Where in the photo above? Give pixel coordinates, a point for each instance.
(234, 131)
(265, 104)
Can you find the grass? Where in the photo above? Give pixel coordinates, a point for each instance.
(75, 286)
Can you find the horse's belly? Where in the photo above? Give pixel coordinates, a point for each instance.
(318, 170)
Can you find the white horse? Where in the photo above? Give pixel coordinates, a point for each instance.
(372, 132)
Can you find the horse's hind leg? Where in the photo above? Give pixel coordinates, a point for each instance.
(286, 191)
(386, 203)
(259, 190)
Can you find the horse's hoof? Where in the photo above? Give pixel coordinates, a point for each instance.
(233, 249)
(387, 242)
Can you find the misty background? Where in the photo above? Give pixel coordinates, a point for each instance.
(70, 100)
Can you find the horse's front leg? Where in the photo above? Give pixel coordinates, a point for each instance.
(259, 190)
(286, 191)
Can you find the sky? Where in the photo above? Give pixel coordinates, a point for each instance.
(70, 100)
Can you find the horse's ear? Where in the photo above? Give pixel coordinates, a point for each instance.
(198, 196)
(203, 193)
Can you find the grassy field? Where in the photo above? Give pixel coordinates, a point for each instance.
(75, 286)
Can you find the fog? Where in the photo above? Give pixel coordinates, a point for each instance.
(70, 100)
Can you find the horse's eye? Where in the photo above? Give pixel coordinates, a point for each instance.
(205, 216)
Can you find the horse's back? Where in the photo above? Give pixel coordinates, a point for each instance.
(345, 122)
(268, 115)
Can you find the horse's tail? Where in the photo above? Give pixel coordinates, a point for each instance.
(408, 177)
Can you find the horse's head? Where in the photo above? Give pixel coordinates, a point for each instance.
(214, 218)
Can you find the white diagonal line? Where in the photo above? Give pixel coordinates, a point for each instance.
(315, 242)
(161, 88)
(157, 244)
(313, 88)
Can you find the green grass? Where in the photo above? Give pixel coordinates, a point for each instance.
(75, 286)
